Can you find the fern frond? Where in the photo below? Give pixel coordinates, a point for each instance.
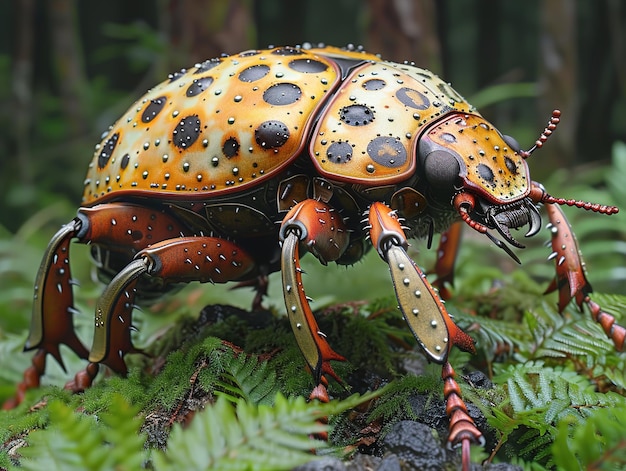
(250, 379)
(536, 444)
(75, 441)
(599, 443)
(535, 385)
(492, 334)
(540, 398)
(559, 336)
(251, 437)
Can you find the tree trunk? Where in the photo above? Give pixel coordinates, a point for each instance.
(558, 79)
(405, 30)
(69, 64)
(203, 29)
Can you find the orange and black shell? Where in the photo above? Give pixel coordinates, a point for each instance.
(228, 124)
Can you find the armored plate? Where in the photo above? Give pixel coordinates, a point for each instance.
(368, 132)
(488, 165)
(222, 125)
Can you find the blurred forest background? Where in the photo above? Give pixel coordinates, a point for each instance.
(69, 68)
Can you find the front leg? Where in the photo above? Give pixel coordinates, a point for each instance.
(570, 280)
(427, 318)
(318, 228)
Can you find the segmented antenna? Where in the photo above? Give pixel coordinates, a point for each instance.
(539, 195)
(547, 132)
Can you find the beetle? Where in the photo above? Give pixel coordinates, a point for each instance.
(230, 170)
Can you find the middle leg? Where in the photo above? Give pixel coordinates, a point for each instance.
(182, 259)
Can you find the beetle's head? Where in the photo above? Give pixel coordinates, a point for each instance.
(485, 176)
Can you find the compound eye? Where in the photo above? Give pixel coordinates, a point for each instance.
(511, 142)
(442, 170)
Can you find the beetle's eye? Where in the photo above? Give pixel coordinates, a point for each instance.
(511, 142)
(442, 169)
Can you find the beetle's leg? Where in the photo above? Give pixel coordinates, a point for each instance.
(427, 317)
(570, 280)
(114, 226)
(318, 228)
(422, 308)
(183, 259)
(446, 258)
(53, 309)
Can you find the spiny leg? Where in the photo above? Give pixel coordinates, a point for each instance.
(52, 321)
(462, 427)
(317, 227)
(446, 258)
(427, 318)
(570, 279)
(184, 259)
(121, 227)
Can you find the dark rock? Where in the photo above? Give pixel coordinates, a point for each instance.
(390, 463)
(501, 467)
(415, 446)
(327, 463)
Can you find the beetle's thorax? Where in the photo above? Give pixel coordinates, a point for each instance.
(464, 152)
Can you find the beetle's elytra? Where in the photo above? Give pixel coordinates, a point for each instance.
(227, 171)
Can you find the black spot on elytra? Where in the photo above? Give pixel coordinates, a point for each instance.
(176, 75)
(339, 152)
(107, 149)
(186, 132)
(199, 85)
(254, 73)
(485, 173)
(124, 162)
(510, 165)
(356, 115)
(282, 94)
(154, 108)
(271, 134)
(207, 65)
(230, 147)
(387, 151)
(374, 84)
(413, 98)
(307, 66)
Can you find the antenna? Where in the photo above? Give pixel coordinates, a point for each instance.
(539, 195)
(547, 132)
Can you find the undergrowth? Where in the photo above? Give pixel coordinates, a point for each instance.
(557, 398)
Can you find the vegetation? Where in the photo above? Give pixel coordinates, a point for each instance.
(558, 399)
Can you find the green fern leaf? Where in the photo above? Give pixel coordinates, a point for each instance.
(599, 443)
(250, 379)
(561, 336)
(492, 334)
(541, 397)
(248, 437)
(75, 441)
